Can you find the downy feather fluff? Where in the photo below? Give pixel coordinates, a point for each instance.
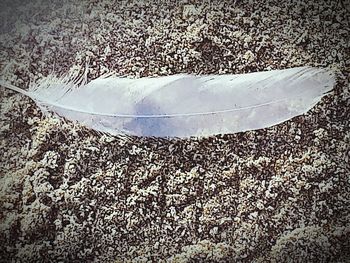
(184, 105)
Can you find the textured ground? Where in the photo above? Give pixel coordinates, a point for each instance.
(280, 194)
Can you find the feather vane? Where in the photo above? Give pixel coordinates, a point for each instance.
(184, 105)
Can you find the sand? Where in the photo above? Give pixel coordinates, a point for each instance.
(69, 194)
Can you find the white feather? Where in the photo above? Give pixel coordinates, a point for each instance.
(184, 105)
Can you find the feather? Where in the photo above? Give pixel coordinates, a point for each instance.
(184, 105)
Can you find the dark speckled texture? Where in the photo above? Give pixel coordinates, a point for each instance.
(69, 194)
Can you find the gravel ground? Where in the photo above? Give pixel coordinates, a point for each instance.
(69, 194)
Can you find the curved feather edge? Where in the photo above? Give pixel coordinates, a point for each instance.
(146, 106)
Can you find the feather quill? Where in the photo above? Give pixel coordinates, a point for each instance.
(184, 105)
